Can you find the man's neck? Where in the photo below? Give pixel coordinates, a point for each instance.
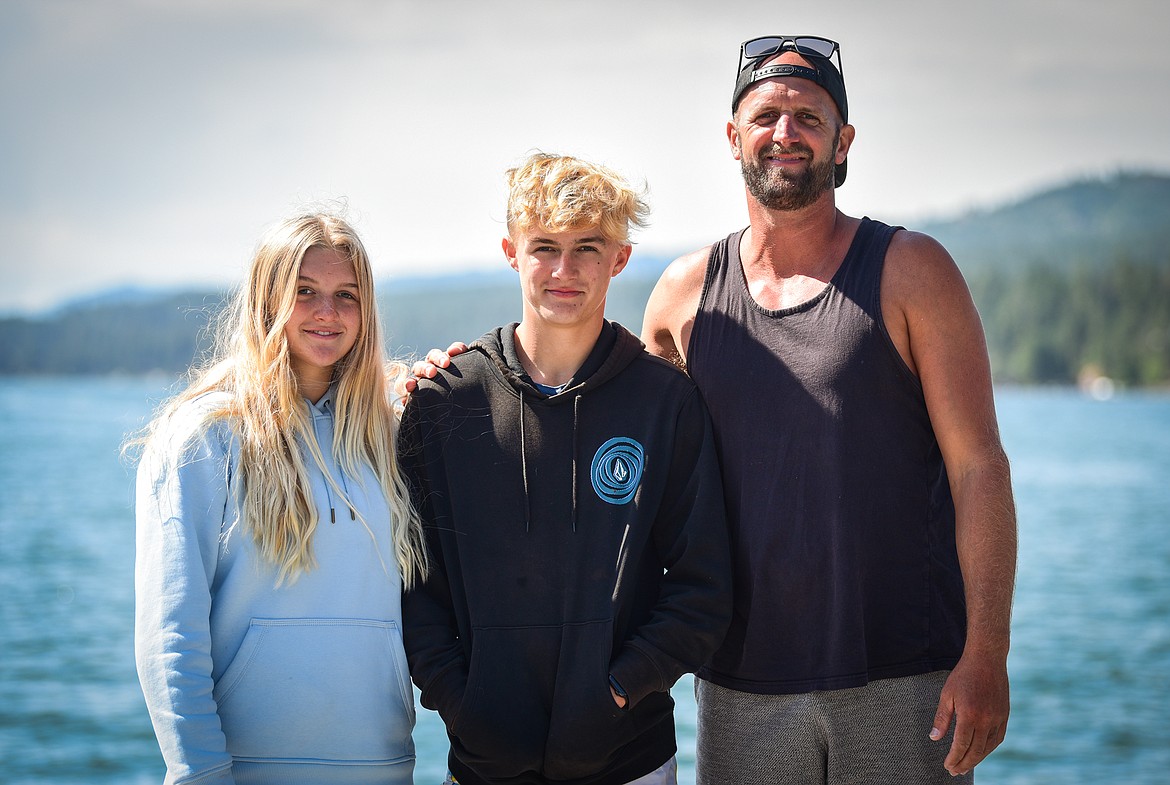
(551, 354)
(809, 242)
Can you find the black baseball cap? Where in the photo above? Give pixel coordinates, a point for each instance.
(820, 69)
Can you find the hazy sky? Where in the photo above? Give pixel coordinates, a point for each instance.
(152, 141)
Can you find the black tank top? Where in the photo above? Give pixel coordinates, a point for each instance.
(842, 522)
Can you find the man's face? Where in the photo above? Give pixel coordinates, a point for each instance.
(788, 137)
(564, 276)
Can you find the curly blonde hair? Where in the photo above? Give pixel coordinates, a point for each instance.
(561, 193)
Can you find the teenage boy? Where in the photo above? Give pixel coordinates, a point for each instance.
(573, 510)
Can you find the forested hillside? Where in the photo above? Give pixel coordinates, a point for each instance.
(1051, 325)
(1091, 223)
(1070, 282)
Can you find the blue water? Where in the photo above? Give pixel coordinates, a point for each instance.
(1090, 662)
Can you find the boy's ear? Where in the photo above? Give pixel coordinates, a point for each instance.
(510, 253)
(622, 260)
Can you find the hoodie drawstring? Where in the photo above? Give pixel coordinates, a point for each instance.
(576, 417)
(345, 488)
(524, 462)
(328, 485)
(524, 469)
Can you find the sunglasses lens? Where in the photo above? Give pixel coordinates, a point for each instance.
(818, 46)
(761, 47)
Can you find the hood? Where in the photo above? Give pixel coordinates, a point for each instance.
(615, 349)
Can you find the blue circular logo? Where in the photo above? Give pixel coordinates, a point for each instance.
(617, 469)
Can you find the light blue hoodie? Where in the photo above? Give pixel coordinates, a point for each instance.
(246, 682)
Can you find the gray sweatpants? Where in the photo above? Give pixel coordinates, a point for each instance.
(871, 735)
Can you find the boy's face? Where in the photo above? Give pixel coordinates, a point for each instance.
(564, 276)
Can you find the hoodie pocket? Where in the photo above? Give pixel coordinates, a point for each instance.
(538, 700)
(586, 728)
(502, 722)
(323, 689)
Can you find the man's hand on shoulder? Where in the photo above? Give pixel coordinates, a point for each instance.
(428, 367)
(671, 309)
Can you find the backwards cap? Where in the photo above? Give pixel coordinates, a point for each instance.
(822, 72)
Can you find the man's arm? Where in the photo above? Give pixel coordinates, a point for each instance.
(936, 328)
(671, 309)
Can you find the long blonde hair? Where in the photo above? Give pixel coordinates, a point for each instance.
(251, 364)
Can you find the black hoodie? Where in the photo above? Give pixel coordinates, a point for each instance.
(572, 538)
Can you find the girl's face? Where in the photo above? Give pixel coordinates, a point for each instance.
(325, 321)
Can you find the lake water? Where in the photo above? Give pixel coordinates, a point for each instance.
(1090, 662)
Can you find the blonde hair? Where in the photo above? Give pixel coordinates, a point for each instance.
(561, 193)
(251, 364)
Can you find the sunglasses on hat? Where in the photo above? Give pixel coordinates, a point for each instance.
(801, 44)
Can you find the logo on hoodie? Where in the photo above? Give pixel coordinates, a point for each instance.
(617, 469)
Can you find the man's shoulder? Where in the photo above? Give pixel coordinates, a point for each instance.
(914, 259)
(681, 284)
(908, 244)
(687, 272)
(922, 289)
(674, 302)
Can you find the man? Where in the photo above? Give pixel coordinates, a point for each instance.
(869, 498)
(574, 515)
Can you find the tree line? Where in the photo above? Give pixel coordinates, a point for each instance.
(1048, 325)
(1045, 324)
(1072, 282)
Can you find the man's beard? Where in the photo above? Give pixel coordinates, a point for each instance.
(778, 189)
